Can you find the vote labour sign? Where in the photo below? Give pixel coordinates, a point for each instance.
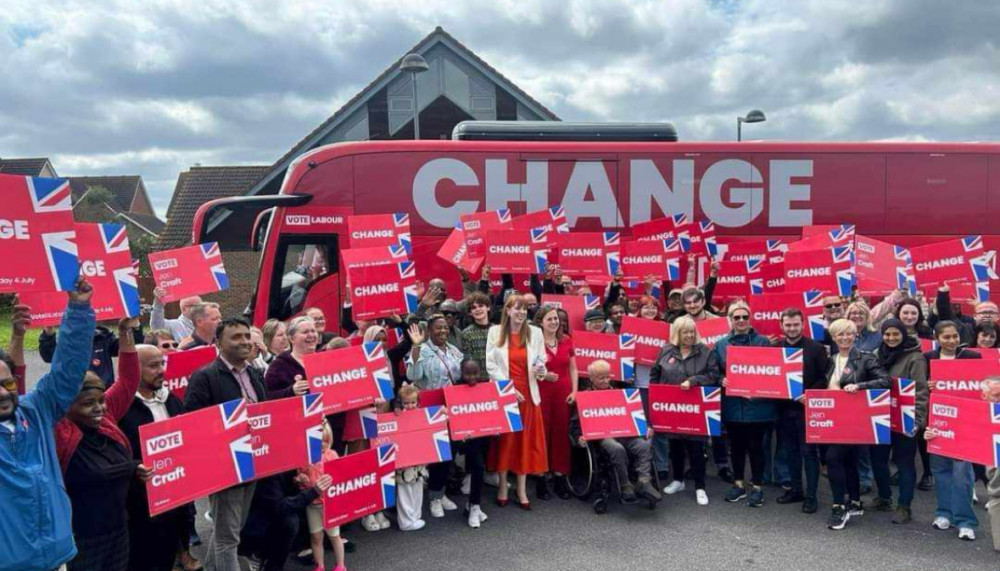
(37, 237)
(739, 279)
(711, 330)
(455, 252)
(959, 260)
(363, 483)
(764, 372)
(765, 312)
(650, 336)
(902, 408)
(196, 454)
(829, 269)
(696, 411)
(486, 409)
(838, 417)
(477, 224)
(286, 434)
(965, 429)
(349, 378)
(517, 251)
(590, 253)
(180, 365)
(370, 230)
(383, 291)
(657, 258)
(188, 271)
(961, 377)
(611, 413)
(617, 350)
(575, 306)
(420, 435)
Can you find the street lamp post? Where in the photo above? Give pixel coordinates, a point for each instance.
(413, 64)
(754, 116)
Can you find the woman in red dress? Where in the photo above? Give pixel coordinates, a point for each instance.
(515, 351)
(558, 391)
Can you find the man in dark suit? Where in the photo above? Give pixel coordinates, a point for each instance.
(227, 378)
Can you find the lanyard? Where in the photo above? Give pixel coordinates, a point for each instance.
(444, 362)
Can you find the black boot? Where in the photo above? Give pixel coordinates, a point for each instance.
(542, 489)
(562, 490)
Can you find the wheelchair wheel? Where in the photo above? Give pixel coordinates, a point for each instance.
(600, 506)
(580, 479)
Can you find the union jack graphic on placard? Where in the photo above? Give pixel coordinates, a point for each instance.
(713, 418)
(503, 215)
(673, 269)
(591, 302)
(558, 213)
(672, 245)
(220, 277)
(756, 286)
(902, 254)
(842, 254)
(369, 422)
(972, 243)
(233, 412)
(612, 239)
(813, 298)
(61, 251)
(49, 194)
(679, 219)
(210, 249)
(241, 450)
(845, 232)
(312, 405)
(436, 414)
(539, 235)
(846, 280)
(115, 238)
(775, 245)
(407, 270)
(128, 290)
(626, 343)
(982, 268)
(387, 455)
(401, 219)
(982, 292)
(511, 410)
(754, 265)
(399, 251)
(792, 355)
(442, 445)
(684, 240)
(614, 262)
(817, 327)
(541, 258)
(387, 461)
(881, 426)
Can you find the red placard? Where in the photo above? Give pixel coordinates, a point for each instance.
(37, 235)
(765, 312)
(420, 435)
(838, 417)
(611, 413)
(703, 240)
(617, 350)
(650, 336)
(575, 306)
(196, 454)
(772, 278)
(675, 226)
(286, 433)
(881, 267)
(830, 269)
(486, 409)
(349, 378)
(360, 424)
(961, 377)
(657, 258)
(378, 291)
(737, 280)
(712, 329)
(517, 251)
(477, 224)
(363, 483)
(965, 429)
(764, 372)
(959, 292)
(902, 409)
(590, 253)
(958, 260)
(180, 365)
(371, 230)
(372, 257)
(431, 397)
(552, 220)
(824, 236)
(455, 252)
(772, 250)
(188, 271)
(696, 411)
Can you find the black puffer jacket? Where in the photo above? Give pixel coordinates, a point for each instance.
(862, 369)
(701, 366)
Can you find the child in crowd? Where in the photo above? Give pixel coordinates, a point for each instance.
(475, 452)
(619, 450)
(314, 512)
(410, 481)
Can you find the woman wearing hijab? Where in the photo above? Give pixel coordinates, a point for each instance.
(899, 354)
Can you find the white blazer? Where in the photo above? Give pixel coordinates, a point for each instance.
(496, 358)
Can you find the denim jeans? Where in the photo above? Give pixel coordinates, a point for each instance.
(953, 481)
(776, 467)
(865, 468)
(793, 441)
(879, 456)
(661, 452)
(904, 454)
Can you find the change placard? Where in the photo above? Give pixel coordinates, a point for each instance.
(476, 224)
(180, 365)
(349, 378)
(383, 291)
(650, 335)
(517, 251)
(590, 253)
(696, 411)
(486, 409)
(611, 413)
(363, 483)
(961, 377)
(958, 260)
(420, 435)
(764, 372)
(617, 349)
(286, 434)
(657, 258)
(370, 230)
(829, 269)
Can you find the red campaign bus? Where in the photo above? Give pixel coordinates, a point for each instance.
(903, 193)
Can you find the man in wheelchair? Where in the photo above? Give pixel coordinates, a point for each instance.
(618, 451)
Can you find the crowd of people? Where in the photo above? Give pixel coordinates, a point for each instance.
(73, 483)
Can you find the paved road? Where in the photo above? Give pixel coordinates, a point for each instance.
(560, 535)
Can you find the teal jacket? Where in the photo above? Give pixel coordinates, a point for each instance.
(36, 527)
(739, 409)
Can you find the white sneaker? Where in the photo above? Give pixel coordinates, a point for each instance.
(967, 533)
(941, 523)
(975, 496)
(447, 504)
(476, 517)
(674, 487)
(383, 522)
(437, 510)
(417, 525)
(370, 523)
(466, 484)
(701, 497)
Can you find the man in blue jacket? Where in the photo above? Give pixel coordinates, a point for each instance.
(36, 528)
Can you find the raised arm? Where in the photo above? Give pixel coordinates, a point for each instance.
(121, 394)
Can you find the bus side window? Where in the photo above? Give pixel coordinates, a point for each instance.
(301, 262)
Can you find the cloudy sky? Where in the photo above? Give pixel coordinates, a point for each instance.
(152, 87)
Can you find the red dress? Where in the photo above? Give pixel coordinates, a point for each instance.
(555, 410)
(522, 452)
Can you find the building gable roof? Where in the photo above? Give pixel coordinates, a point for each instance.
(25, 167)
(122, 188)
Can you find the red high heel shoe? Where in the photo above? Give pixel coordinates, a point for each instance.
(502, 502)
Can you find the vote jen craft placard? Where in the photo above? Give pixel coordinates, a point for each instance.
(363, 483)
(965, 429)
(420, 435)
(193, 270)
(196, 454)
(839, 417)
(696, 411)
(611, 413)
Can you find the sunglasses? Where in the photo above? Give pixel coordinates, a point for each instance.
(10, 383)
(832, 305)
(740, 318)
(169, 345)
(450, 313)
